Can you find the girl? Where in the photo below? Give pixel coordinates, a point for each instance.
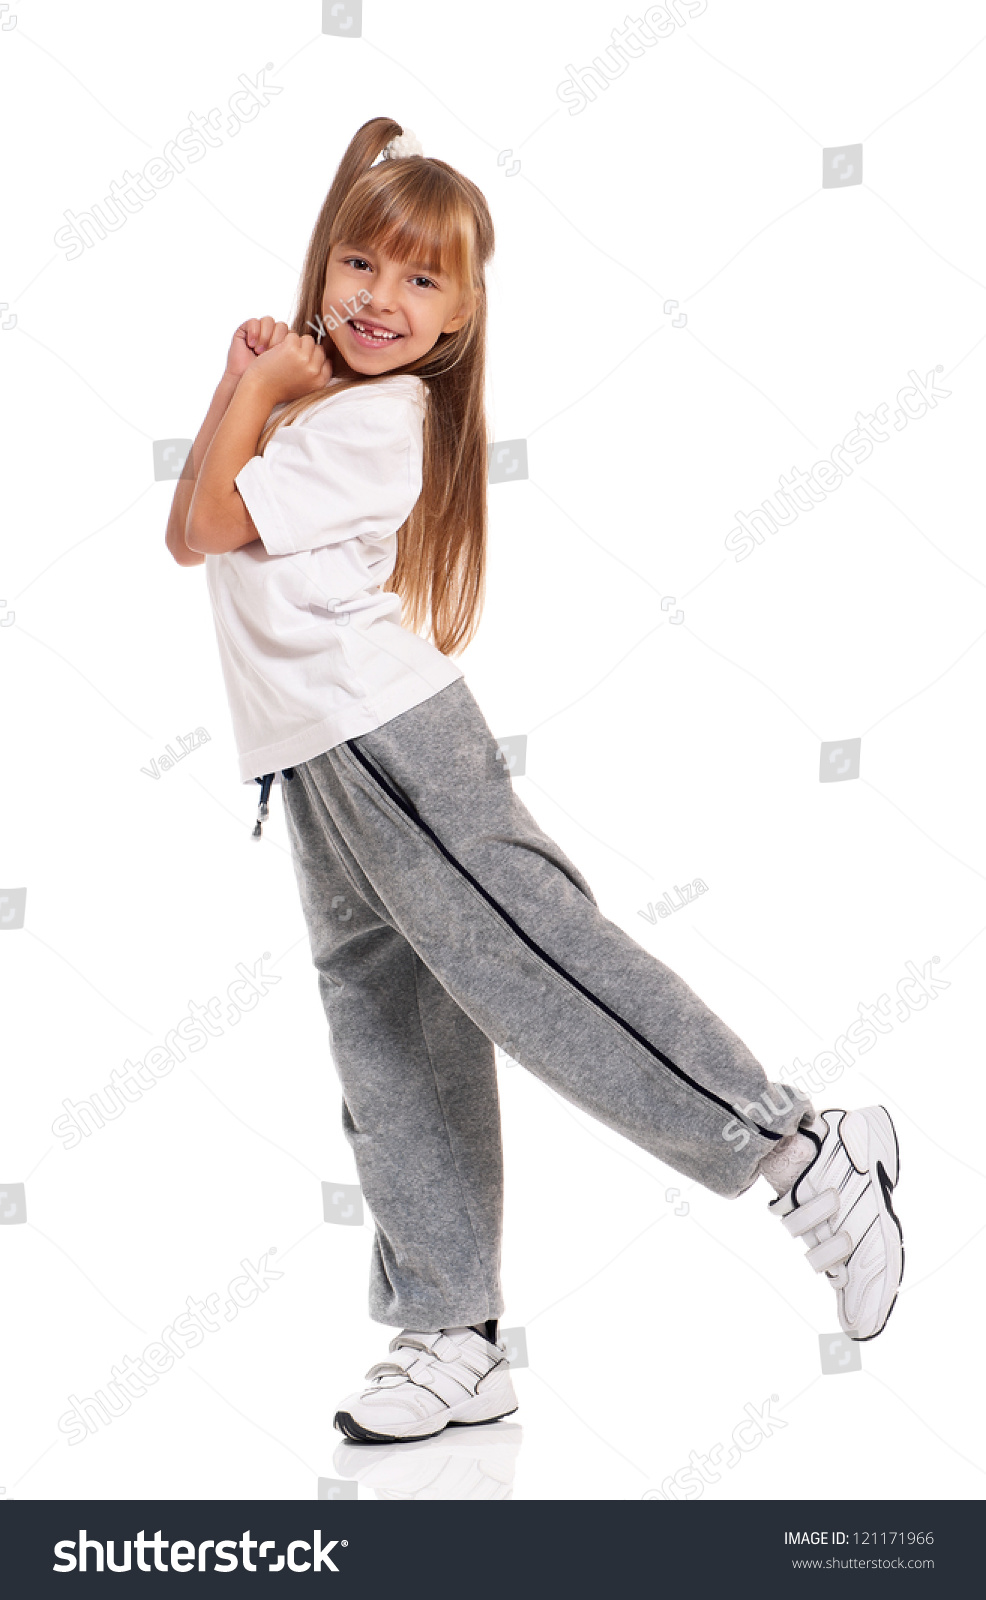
(336, 493)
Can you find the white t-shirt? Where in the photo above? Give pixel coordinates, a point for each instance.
(312, 649)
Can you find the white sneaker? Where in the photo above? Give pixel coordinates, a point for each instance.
(439, 1379)
(840, 1206)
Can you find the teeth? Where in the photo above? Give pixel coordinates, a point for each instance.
(374, 333)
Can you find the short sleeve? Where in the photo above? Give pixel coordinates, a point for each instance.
(349, 468)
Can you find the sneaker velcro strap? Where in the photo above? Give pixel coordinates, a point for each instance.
(477, 1367)
(413, 1340)
(449, 1386)
(819, 1209)
(830, 1252)
(387, 1369)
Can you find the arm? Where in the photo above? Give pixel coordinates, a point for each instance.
(253, 337)
(177, 521)
(218, 520)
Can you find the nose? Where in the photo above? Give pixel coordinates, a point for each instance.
(384, 295)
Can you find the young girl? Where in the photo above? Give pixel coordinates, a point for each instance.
(335, 524)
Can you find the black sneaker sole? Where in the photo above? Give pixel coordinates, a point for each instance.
(887, 1188)
(347, 1424)
(460, 1422)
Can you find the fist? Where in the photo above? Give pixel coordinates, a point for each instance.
(292, 367)
(250, 340)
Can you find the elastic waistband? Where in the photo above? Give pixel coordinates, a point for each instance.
(263, 810)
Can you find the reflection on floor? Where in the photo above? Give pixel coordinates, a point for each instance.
(476, 1463)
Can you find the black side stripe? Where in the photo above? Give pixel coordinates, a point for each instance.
(410, 811)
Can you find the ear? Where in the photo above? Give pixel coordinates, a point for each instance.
(467, 306)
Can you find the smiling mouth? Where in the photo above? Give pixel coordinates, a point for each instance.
(373, 335)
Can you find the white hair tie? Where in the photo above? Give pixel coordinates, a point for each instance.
(404, 144)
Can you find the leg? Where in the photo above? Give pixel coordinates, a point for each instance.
(420, 1104)
(511, 930)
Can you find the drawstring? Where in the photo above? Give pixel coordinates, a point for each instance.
(263, 810)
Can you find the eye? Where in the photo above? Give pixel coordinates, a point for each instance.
(358, 259)
(421, 279)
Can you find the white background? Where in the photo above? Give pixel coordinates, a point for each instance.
(657, 751)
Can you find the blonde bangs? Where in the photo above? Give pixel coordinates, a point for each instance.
(404, 208)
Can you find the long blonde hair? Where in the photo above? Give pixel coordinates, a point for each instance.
(417, 207)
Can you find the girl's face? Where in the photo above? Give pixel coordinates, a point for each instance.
(406, 300)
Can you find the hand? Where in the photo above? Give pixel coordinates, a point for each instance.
(292, 367)
(251, 339)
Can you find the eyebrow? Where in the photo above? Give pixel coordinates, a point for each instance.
(414, 266)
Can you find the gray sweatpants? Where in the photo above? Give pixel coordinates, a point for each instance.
(442, 919)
